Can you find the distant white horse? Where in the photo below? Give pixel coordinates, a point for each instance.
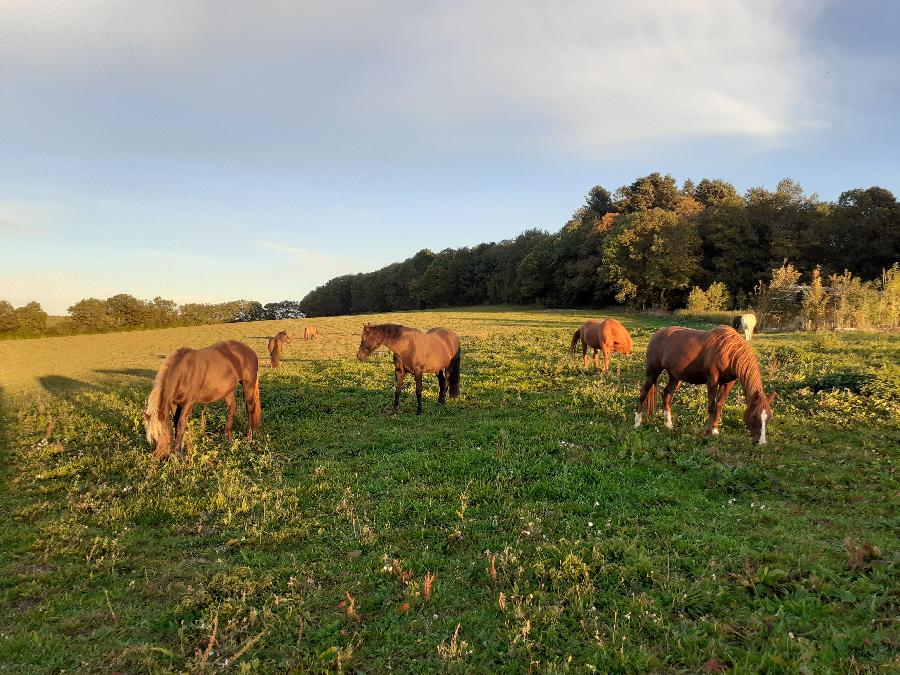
(746, 323)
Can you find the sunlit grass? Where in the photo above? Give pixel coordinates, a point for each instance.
(549, 534)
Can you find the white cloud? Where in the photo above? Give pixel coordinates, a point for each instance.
(349, 80)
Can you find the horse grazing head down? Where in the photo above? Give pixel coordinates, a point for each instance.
(758, 414)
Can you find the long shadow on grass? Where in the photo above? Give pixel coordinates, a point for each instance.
(59, 385)
(133, 372)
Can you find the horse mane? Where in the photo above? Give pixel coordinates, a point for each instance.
(387, 331)
(732, 348)
(156, 420)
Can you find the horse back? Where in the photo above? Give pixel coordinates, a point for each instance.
(227, 363)
(443, 345)
(680, 351)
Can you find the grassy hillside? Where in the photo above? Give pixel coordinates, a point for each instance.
(526, 525)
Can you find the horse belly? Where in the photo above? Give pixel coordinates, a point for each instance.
(216, 392)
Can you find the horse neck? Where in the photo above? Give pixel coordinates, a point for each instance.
(749, 376)
(390, 342)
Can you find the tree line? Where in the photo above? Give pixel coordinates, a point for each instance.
(124, 312)
(647, 245)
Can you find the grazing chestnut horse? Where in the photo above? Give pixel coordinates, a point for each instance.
(745, 323)
(310, 332)
(276, 344)
(607, 336)
(192, 376)
(716, 358)
(436, 351)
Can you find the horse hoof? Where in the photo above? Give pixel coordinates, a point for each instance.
(638, 418)
(715, 431)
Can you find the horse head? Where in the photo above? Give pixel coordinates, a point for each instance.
(368, 343)
(757, 415)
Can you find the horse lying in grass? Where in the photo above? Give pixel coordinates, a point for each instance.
(276, 344)
(608, 336)
(436, 351)
(716, 358)
(745, 323)
(192, 376)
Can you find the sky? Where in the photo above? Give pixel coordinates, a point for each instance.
(205, 151)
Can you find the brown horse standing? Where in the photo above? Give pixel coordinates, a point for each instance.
(276, 344)
(192, 376)
(608, 336)
(310, 332)
(436, 351)
(716, 358)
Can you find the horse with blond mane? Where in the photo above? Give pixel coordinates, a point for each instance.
(192, 376)
(436, 351)
(717, 358)
(608, 336)
(746, 323)
(310, 332)
(276, 344)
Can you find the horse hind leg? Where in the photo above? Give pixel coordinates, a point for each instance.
(648, 397)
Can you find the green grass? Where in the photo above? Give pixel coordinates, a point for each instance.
(560, 538)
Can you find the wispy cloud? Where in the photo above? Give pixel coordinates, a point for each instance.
(411, 79)
(301, 252)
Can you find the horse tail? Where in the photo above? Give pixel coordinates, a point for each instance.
(649, 406)
(575, 338)
(157, 419)
(454, 375)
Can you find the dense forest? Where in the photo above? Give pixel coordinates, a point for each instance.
(647, 245)
(124, 312)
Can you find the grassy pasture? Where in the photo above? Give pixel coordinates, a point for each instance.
(558, 537)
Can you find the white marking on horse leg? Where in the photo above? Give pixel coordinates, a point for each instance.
(715, 431)
(638, 418)
(669, 424)
(762, 434)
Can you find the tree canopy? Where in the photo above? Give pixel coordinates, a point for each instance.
(647, 243)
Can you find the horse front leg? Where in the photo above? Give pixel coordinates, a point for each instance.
(712, 390)
(668, 394)
(400, 374)
(724, 390)
(596, 360)
(418, 376)
(605, 360)
(183, 420)
(229, 423)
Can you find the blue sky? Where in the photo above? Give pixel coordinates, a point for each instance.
(205, 151)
